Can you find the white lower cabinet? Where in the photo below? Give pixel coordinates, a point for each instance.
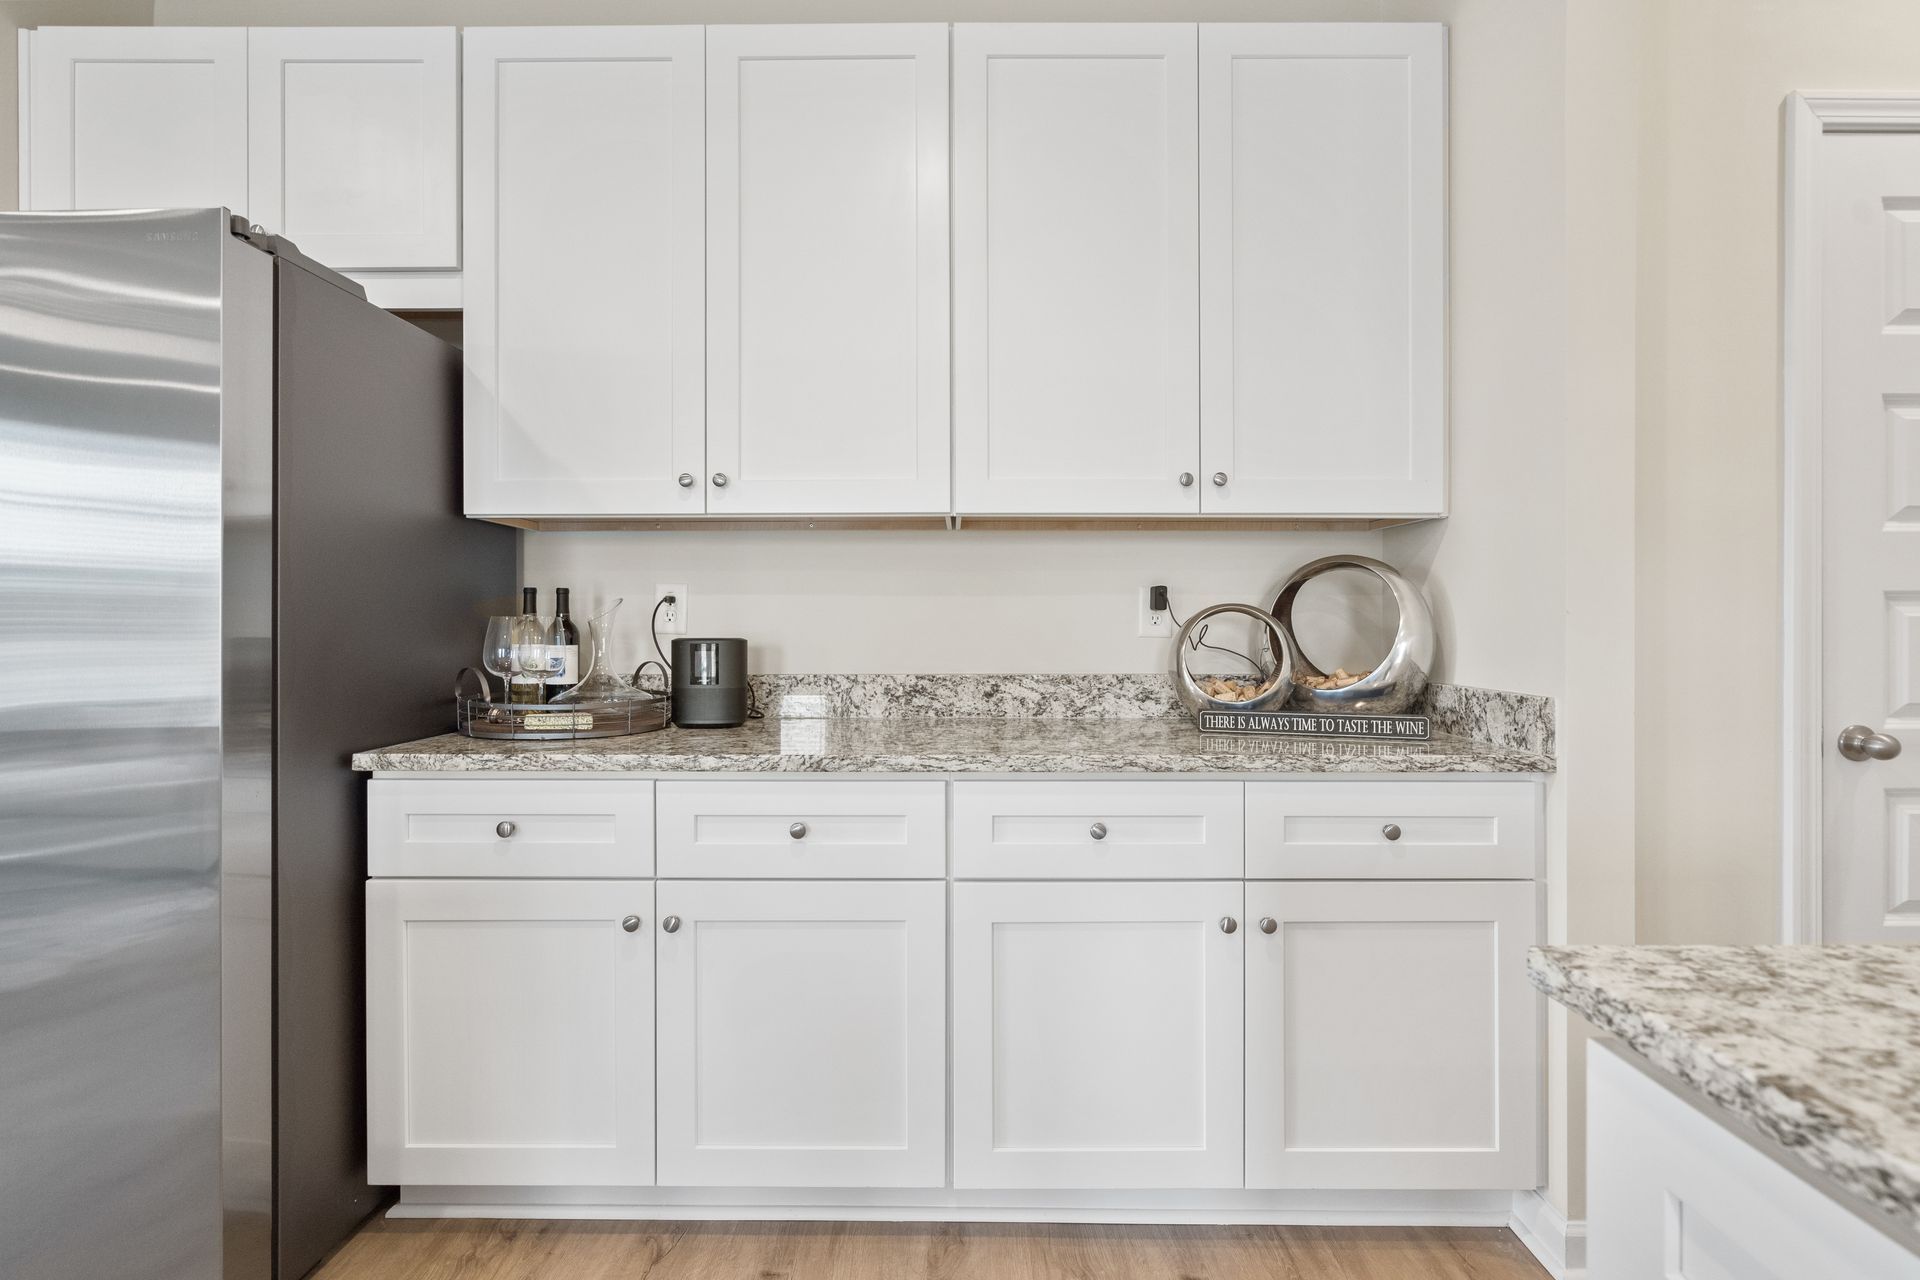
(1096, 1033)
(510, 1032)
(1391, 1035)
(802, 1034)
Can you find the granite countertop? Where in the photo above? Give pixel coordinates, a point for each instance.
(954, 744)
(1817, 1048)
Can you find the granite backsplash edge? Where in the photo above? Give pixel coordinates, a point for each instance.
(1516, 721)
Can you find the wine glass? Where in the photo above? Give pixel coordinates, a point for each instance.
(497, 652)
(533, 659)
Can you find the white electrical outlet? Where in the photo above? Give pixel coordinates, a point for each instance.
(671, 619)
(1155, 622)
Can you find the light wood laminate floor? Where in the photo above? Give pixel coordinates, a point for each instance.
(471, 1249)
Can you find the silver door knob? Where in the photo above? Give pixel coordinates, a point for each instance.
(798, 831)
(719, 479)
(1098, 831)
(1186, 479)
(505, 830)
(1219, 479)
(1228, 924)
(686, 479)
(671, 924)
(1391, 831)
(1268, 924)
(1857, 742)
(631, 924)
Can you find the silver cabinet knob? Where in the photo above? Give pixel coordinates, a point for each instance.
(671, 924)
(504, 830)
(1219, 479)
(1228, 924)
(686, 479)
(719, 479)
(1098, 831)
(631, 924)
(1391, 831)
(1857, 742)
(1186, 479)
(798, 831)
(1268, 924)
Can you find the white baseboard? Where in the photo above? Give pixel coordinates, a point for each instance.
(1560, 1245)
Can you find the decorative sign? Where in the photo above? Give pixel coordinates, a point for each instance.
(557, 720)
(1303, 724)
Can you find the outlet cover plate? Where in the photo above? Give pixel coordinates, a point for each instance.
(672, 618)
(1155, 623)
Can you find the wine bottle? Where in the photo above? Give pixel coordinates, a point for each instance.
(527, 689)
(562, 633)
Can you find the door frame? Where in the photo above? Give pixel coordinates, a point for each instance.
(1804, 119)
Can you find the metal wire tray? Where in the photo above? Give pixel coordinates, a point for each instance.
(555, 722)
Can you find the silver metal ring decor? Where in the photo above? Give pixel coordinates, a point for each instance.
(1390, 688)
(1280, 673)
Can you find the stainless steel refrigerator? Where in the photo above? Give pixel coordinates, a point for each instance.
(231, 553)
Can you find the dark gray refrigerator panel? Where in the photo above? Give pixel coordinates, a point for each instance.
(382, 592)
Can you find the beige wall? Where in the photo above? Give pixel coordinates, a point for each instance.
(1709, 442)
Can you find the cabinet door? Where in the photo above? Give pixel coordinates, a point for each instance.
(585, 295)
(802, 1034)
(355, 136)
(1076, 325)
(1096, 1033)
(510, 1032)
(1323, 257)
(135, 118)
(827, 268)
(1392, 1039)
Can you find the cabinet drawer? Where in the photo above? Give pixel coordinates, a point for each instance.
(1392, 830)
(874, 830)
(1097, 830)
(497, 827)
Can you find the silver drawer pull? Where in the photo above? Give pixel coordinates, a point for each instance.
(631, 924)
(671, 924)
(798, 831)
(1228, 924)
(1098, 831)
(1268, 924)
(505, 830)
(1391, 831)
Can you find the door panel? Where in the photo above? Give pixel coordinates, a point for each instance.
(802, 1034)
(509, 1032)
(1870, 536)
(585, 288)
(1323, 252)
(1391, 1036)
(355, 142)
(827, 269)
(1076, 375)
(1096, 1035)
(136, 118)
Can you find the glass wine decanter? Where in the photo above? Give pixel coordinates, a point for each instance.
(601, 683)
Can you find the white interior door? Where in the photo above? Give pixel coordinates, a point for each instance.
(1076, 263)
(1870, 532)
(510, 1032)
(355, 141)
(1391, 1035)
(828, 386)
(585, 279)
(802, 1034)
(1323, 268)
(136, 118)
(1096, 1033)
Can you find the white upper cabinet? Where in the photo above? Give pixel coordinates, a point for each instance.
(1323, 268)
(1076, 265)
(827, 369)
(139, 117)
(584, 288)
(355, 140)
